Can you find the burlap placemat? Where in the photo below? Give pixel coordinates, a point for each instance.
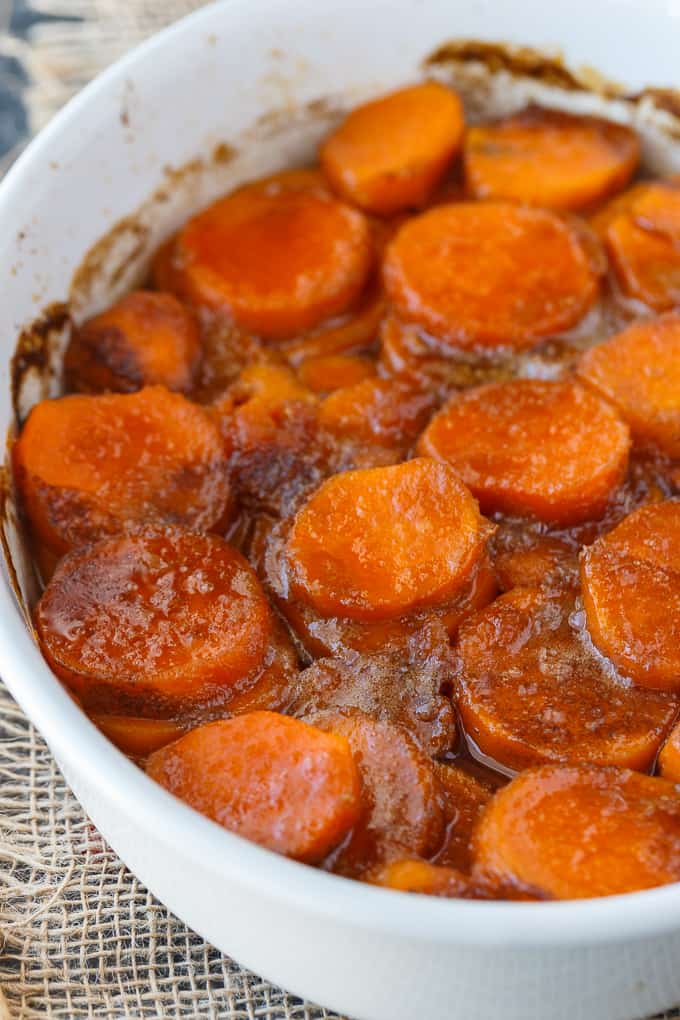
(80, 937)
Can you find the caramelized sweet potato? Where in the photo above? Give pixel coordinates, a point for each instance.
(464, 799)
(549, 450)
(137, 736)
(330, 372)
(156, 616)
(577, 831)
(276, 257)
(89, 466)
(490, 275)
(402, 812)
(274, 780)
(639, 372)
(642, 243)
(668, 764)
(145, 339)
(550, 158)
(379, 543)
(268, 421)
(631, 594)
(531, 690)
(391, 153)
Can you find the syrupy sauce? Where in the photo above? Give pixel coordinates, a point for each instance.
(521, 551)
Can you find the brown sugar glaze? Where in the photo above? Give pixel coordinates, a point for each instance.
(388, 668)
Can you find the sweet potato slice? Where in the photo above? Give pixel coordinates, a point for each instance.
(336, 635)
(523, 559)
(387, 412)
(278, 259)
(639, 371)
(550, 158)
(355, 331)
(401, 801)
(268, 421)
(137, 736)
(490, 275)
(550, 450)
(532, 691)
(408, 687)
(415, 876)
(408, 354)
(578, 831)
(382, 542)
(146, 338)
(601, 220)
(88, 466)
(631, 594)
(464, 800)
(273, 780)
(412, 875)
(646, 264)
(657, 209)
(164, 614)
(668, 764)
(390, 154)
(335, 372)
(642, 243)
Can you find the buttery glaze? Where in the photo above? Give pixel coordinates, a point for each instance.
(368, 503)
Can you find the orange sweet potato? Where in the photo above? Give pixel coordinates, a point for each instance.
(278, 259)
(642, 243)
(402, 812)
(88, 466)
(668, 764)
(550, 450)
(639, 371)
(531, 691)
(155, 615)
(390, 154)
(577, 831)
(137, 736)
(144, 339)
(464, 799)
(415, 876)
(331, 372)
(550, 158)
(268, 421)
(631, 593)
(386, 412)
(382, 542)
(268, 778)
(490, 275)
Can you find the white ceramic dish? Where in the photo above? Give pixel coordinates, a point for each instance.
(368, 952)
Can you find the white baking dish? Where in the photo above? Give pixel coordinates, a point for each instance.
(368, 952)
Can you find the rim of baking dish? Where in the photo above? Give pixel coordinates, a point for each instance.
(74, 739)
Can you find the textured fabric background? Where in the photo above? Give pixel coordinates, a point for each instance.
(80, 937)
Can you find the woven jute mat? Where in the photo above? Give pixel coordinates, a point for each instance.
(80, 936)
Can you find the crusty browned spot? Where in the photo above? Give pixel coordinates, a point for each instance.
(98, 259)
(107, 351)
(34, 350)
(523, 61)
